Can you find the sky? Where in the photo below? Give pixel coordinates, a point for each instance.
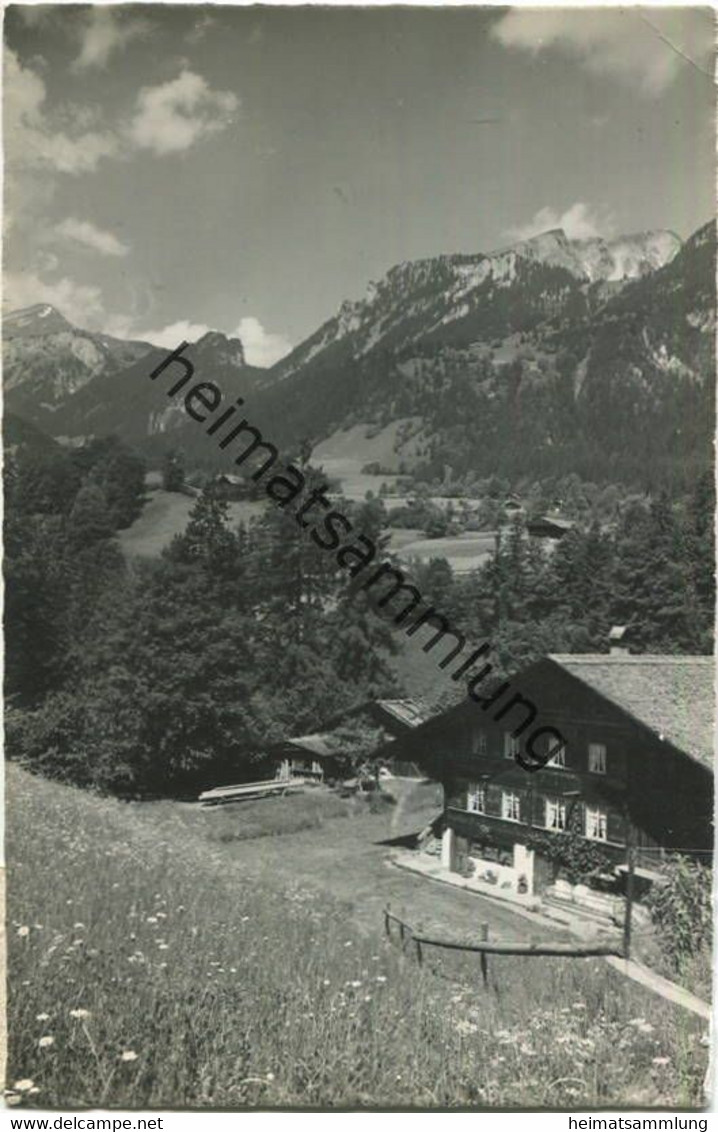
(174, 169)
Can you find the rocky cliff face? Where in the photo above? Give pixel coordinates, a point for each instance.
(470, 298)
(550, 356)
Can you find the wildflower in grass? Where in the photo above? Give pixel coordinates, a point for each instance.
(128, 1055)
(645, 1028)
(151, 919)
(42, 1017)
(46, 1041)
(12, 1098)
(381, 978)
(24, 1085)
(23, 931)
(79, 926)
(163, 946)
(270, 1076)
(465, 1028)
(80, 1012)
(326, 982)
(661, 1061)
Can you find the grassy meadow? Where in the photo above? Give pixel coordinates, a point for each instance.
(144, 970)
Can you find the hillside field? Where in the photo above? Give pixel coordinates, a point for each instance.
(165, 514)
(155, 960)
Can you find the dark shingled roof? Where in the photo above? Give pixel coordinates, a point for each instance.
(672, 695)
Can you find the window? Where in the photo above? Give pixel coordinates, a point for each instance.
(510, 806)
(559, 758)
(511, 746)
(555, 814)
(478, 742)
(596, 824)
(476, 798)
(597, 758)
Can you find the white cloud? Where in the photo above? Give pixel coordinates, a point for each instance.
(171, 117)
(644, 51)
(579, 221)
(81, 304)
(261, 348)
(167, 119)
(86, 233)
(103, 33)
(31, 141)
(171, 336)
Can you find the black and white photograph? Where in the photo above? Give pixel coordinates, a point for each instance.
(359, 499)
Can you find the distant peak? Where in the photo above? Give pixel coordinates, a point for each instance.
(29, 322)
(231, 348)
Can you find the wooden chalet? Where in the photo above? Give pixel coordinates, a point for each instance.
(309, 757)
(552, 527)
(636, 769)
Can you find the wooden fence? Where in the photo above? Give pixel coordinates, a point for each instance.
(484, 947)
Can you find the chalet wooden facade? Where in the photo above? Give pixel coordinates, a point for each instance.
(636, 769)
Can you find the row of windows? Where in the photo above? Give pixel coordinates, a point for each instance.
(512, 746)
(596, 819)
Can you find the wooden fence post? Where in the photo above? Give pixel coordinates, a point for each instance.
(629, 902)
(484, 961)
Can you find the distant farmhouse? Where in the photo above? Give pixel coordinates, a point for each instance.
(552, 527)
(231, 487)
(637, 769)
(324, 756)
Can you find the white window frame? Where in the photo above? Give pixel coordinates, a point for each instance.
(476, 798)
(512, 746)
(597, 758)
(596, 823)
(479, 743)
(512, 802)
(555, 815)
(559, 759)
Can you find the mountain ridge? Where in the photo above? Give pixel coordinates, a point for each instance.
(514, 361)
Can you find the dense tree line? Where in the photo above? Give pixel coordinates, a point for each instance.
(651, 570)
(155, 677)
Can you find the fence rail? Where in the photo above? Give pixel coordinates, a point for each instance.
(484, 946)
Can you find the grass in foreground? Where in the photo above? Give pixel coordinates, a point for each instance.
(144, 974)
